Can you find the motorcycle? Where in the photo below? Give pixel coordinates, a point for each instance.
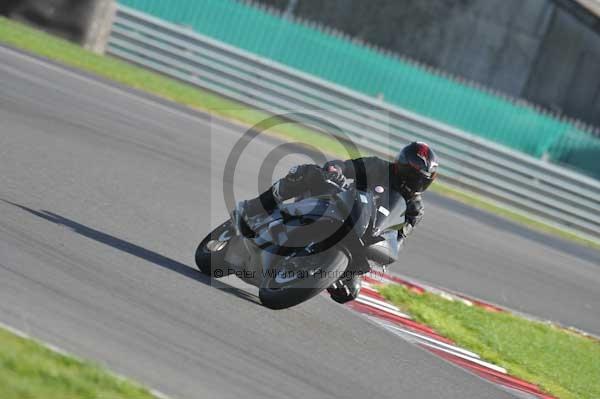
(303, 247)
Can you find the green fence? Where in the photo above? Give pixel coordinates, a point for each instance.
(372, 72)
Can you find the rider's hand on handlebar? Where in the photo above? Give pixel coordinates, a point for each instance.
(334, 173)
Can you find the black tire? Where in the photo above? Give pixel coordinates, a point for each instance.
(212, 263)
(337, 262)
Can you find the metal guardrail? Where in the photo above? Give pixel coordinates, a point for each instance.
(546, 191)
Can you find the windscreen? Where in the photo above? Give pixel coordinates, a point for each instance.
(391, 207)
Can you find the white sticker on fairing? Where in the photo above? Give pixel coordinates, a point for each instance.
(384, 211)
(363, 199)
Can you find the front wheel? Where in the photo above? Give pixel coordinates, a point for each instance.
(210, 254)
(298, 279)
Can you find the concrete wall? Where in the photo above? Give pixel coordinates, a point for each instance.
(546, 51)
(566, 75)
(495, 42)
(86, 22)
(532, 49)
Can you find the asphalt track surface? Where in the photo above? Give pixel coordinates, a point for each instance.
(105, 195)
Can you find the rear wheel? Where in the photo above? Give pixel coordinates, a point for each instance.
(210, 254)
(298, 279)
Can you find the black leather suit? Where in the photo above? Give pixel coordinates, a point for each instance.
(367, 173)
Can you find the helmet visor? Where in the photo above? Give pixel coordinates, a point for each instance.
(418, 182)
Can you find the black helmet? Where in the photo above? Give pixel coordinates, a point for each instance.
(417, 166)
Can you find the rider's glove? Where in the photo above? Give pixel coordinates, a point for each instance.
(334, 173)
(401, 239)
(403, 233)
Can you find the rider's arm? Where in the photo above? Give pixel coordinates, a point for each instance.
(358, 167)
(298, 180)
(344, 167)
(414, 213)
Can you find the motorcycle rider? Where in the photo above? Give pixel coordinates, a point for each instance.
(411, 173)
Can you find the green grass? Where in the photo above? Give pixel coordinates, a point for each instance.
(30, 371)
(34, 41)
(561, 362)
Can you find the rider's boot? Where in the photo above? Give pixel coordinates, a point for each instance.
(346, 290)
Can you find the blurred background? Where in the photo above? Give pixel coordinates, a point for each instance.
(524, 74)
(507, 90)
(114, 145)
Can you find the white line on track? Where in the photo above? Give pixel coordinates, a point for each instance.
(381, 303)
(478, 361)
(431, 340)
(371, 302)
